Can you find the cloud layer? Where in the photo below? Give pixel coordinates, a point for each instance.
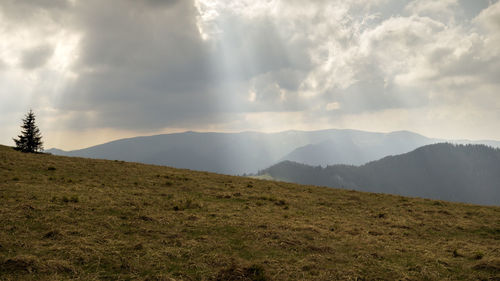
(141, 67)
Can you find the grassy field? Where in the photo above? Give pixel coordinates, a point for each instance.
(72, 218)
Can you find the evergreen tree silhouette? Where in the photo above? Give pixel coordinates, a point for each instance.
(30, 139)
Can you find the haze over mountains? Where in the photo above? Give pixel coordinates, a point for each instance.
(357, 149)
(249, 152)
(462, 173)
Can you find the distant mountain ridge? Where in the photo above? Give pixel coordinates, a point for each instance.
(229, 153)
(248, 152)
(351, 149)
(463, 173)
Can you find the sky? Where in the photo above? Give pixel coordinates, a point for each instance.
(95, 71)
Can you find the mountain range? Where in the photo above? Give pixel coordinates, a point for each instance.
(444, 171)
(249, 152)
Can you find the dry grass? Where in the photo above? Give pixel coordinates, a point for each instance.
(71, 218)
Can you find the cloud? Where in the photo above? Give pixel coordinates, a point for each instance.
(31, 10)
(443, 9)
(490, 18)
(153, 60)
(332, 106)
(36, 57)
(145, 66)
(150, 65)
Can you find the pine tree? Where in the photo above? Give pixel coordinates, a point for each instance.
(30, 139)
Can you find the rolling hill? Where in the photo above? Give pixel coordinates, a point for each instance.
(462, 173)
(72, 218)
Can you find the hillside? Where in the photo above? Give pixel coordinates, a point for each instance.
(73, 218)
(248, 152)
(461, 173)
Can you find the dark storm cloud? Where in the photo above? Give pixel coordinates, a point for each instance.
(142, 61)
(146, 62)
